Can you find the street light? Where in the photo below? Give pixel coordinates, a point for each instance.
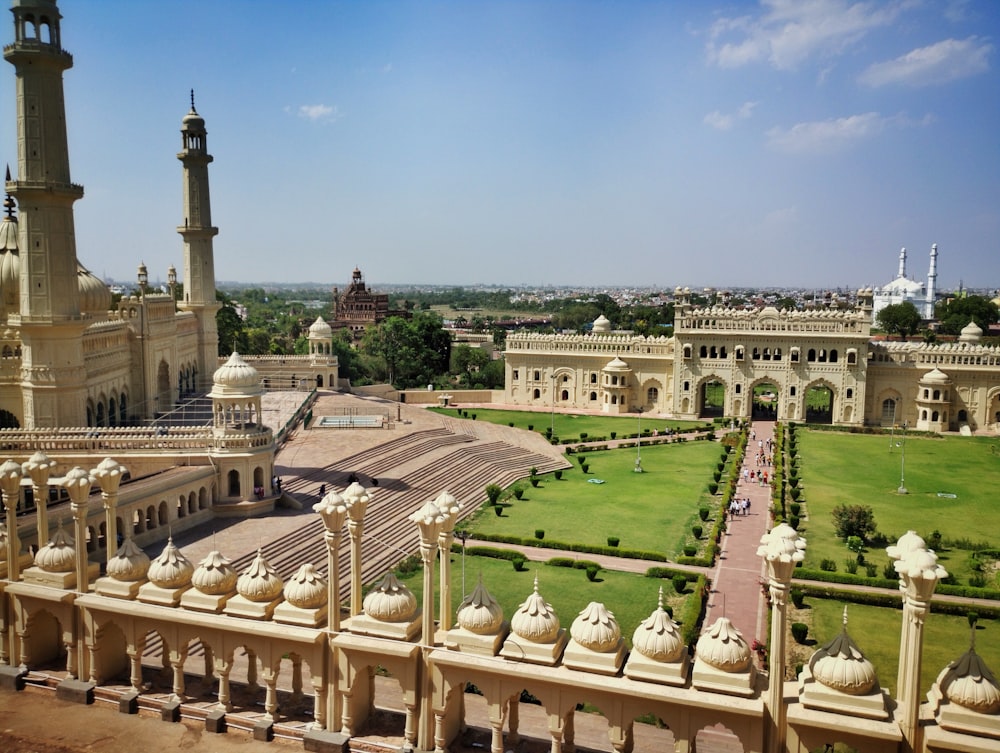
(638, 444)
(902, 464)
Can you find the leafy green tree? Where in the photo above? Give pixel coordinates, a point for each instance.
(956, 313)
(854, 520)
(467, 362)
(899, 319)
(408, 353)
(232, 330)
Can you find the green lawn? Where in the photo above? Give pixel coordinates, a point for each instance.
(569, 426)
(876, 632)
(630, 597)
(839, 468)
(651, 511)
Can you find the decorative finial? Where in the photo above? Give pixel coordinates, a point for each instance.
(536, 582)
(192, 101)
(845, 618)
(659, 599)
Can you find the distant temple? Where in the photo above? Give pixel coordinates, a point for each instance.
(904, 289)
(359, 308)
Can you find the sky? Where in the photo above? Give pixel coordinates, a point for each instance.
(589, 143)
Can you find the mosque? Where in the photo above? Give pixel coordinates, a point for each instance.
(78, 380)
(903, 289)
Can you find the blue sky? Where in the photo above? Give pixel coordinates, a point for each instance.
(781, 142)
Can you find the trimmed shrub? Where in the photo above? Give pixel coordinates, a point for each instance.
(592, 572)
(713, 487)
(614, 435)
(473, 416)
(977, 580)
(703, 512)
(510, 423)
(793, 521)
(518, 492)
(533, 471)
(795, 507)
(531, 427)
(558, 475)
(534, 481)
(585, 467)
(680, 583)
(889, 571)
(851, 565)
(795, 492)
(798, 598)
(690, 551)
(583, 436)
(493, 493)
(696, 530)
(498, 510)
(581, 458)
(828, 566)
(519, 563)
(539, 533)
(800, 631)
(613, 541)
(871, 569)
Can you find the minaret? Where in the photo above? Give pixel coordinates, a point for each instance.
(52, 369)
(931, 284)
(197, 232)
(902, 263)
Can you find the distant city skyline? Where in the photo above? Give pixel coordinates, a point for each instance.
(642, 144)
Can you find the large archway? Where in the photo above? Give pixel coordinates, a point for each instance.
(819, 404)
(712, 398)
(765, 401)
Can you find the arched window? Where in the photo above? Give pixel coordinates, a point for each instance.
(593, 395)
(934, 416)
(833, 356)
(811, 355)
(703, 351)
(564, 395)
(593, 378)
(652, 395)
(536, 393)
(234, 483)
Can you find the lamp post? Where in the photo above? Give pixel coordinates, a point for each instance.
(462, 536)
(902, 464)
(552, 415)
(38, 467)
(334, 512)
(450, 510)
(638, 443)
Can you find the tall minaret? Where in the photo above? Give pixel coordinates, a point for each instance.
(197, 232)
(902, 263)
(931, 284)
(52, 368)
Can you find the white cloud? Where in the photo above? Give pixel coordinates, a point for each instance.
(788, 32)
(725, 121)
(938, 63)
(824, 136)
(318, 112)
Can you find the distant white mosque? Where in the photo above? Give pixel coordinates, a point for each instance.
(904, 289)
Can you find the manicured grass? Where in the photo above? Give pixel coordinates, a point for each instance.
(876, 632)
(568, 425)
(839, 468)
(650, 511)
(630, 597)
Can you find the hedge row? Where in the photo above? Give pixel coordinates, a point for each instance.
(893, 601)
(569, 562)
(611, 551)
(859, 580)
(666, 573)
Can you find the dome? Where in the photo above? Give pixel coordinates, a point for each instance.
(95, 297)
(193, 121)
(935, 376)
(320, 329)
(841, 665)
(129, 563)
(171, 569)
(971, 333)
(723, 647)
(479, 612)
(306, 589)
(602, 325)
(596, 628)
(616, 364)
(236, 375)
(657, 636)
(534, 620)
(969, 683)
(390, 601)
(259, 582)
(58, 556)
(214, 575)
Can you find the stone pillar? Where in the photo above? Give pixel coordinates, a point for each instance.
(38, 467)
(319, 701)
(177, 665)
(429, 520)
(222, 671)
(907, 543)
(109, 477)
(450, 509)
(10, 485)
(356, 499)
(781, 548)
(513, 720)
(77, 484)
(333, 511)
(271, 695)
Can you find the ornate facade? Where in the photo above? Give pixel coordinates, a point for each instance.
(782, 355)
(358, 308)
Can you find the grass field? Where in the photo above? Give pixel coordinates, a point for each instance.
(651, 511)
(876, 632)
(838, 468)
(569, 426)
(630, 597)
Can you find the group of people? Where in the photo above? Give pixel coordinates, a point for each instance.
(739, 506)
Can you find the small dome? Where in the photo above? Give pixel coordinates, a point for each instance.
(236, 374)
(171, 569)
(657, 636)
(935, 376)
(129, 563)
(723, 647)
(602, 325)
(841, 665)
(193, 121)
(390, 601)
(259, 582)
(534, 620)
(596, 628)
(968, 682)
(95, 297)
(616, 364)
(479, 612)
(320, 329)
(58, 556)
(971, 333)
(306, 589)
(214, 575)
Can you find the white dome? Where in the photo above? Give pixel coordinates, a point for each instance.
(129, 563)
(971, 333)
(236, 375)
(534, 620)
(596, 628)
(390, 601)
(841, 665)
(935, 376)
(259, 582)
(616, 364)
(95, 297)
(171, 569)
(657, 636)
(306, 589)
(968, 682)
(602, 325)
(214, 575)
(58, 556)
(319, 329)
(723, 647)
(479, 612)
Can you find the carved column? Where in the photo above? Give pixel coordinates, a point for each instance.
(319, 701)
(271, 695)
(781, 548)
(450, 509)
(222, 670)
(356, 499)
(333, 510)
(77, 484)
(429, 520)
(10, 485)
(38, 467)
(109, 477)
(177, 665)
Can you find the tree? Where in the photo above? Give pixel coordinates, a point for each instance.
(467, 361)
(232, 330)
(854, 520)
(408, 353)
(899, 319)
(956, 313)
